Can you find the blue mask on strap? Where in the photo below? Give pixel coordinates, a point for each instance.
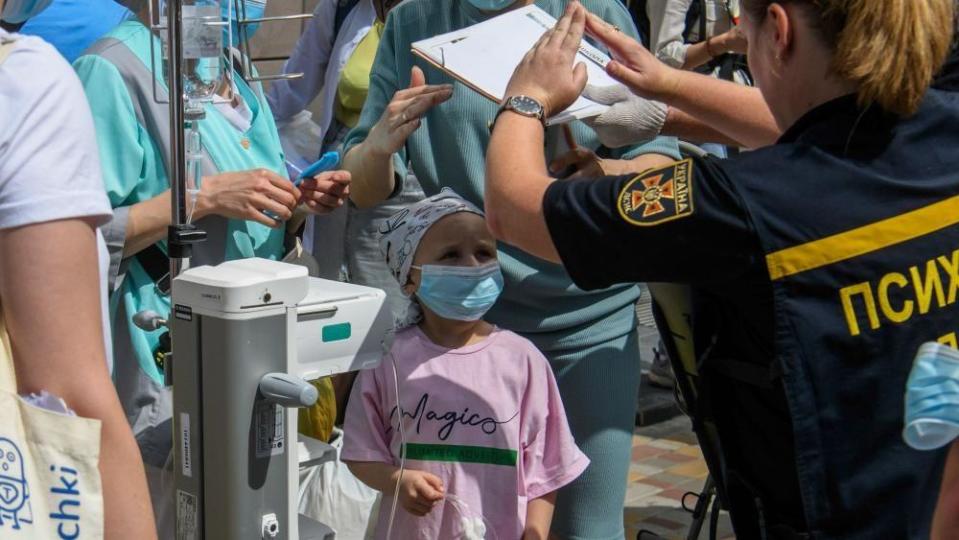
(932, 398)
(254, 10)
(460, 293)
(18, 11)
(492, 5)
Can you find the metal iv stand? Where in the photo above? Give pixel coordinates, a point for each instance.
(235, 453)
(185, 109)
(181, 235)
(240, 367)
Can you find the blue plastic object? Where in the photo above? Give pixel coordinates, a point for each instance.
(327, 162)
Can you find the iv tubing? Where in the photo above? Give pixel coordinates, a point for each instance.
(457, 503)
(194, 147)
(402, 430)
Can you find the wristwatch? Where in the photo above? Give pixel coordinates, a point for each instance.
(523, 105)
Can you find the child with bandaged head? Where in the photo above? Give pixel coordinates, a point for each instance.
(487, 443)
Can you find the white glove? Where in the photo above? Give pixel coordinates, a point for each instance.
(630, 118)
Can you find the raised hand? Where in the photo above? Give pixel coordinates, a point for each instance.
(547, 73)
(402, 115)
(632, 64)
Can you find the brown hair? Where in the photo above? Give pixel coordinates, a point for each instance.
(891, 48)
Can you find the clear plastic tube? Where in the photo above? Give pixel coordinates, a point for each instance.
(194, 158)
(470, 525)
(402, 430)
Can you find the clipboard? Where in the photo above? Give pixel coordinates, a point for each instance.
(484, 56)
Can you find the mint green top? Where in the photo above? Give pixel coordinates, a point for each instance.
(134, 171)
(449, 149)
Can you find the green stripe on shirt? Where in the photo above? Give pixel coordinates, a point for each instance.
(461, 454)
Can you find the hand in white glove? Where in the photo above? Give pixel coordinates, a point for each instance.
(630, 118)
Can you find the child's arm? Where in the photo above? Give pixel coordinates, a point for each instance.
(539, 516)
(419, 490)
(379, 476)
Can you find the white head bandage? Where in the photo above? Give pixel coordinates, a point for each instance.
(400, 235)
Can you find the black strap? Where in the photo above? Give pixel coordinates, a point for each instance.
(12, 28)
(641, 19)
(237, 58)
(702, 19)
(696, 13)
(343, 9)
(157, 265)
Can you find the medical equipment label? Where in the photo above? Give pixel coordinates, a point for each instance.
(185, 516)
(270, 429)
(186, 451)
(184, 313)
(201, 34)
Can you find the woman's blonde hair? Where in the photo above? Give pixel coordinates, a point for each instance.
(891, 48)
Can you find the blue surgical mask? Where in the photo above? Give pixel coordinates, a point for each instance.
(18, 11)
(461, 293)
(492, 5)
(254, 10)
(932, 398)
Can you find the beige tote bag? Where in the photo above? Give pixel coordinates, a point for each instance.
(49, 482)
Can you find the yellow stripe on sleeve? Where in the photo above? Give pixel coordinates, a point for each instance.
(863, 240)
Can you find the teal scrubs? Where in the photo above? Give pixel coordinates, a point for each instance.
(134, 171)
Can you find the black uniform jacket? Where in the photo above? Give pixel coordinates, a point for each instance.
(818, 267)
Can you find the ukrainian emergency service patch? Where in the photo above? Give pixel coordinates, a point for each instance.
(658, 195)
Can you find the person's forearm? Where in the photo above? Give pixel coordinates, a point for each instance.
(697, 55)
(681, 125)
(49, 284)
(148, 221)
(128, 513)
(739, 112)
(379, 476)
(147, 224)
(702, 53)
(539, 517)
(516, 181)
(373, 175)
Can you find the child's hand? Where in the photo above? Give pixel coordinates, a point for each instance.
(420, 491)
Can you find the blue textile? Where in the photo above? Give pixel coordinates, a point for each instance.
(73, 25)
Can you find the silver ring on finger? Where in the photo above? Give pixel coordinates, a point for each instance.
(403, 118)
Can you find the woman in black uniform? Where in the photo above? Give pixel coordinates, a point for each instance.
(818, 265)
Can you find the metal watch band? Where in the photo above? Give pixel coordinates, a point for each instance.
(507, 106)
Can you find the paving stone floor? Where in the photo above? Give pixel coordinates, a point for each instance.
(666, 465)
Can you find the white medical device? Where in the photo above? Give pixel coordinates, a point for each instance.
(249, 335)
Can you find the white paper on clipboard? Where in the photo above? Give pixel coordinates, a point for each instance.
(484, 56)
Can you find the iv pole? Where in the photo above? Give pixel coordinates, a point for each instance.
(180, 236)
(248, 490)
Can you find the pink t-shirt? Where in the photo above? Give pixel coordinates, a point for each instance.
(486, 418)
